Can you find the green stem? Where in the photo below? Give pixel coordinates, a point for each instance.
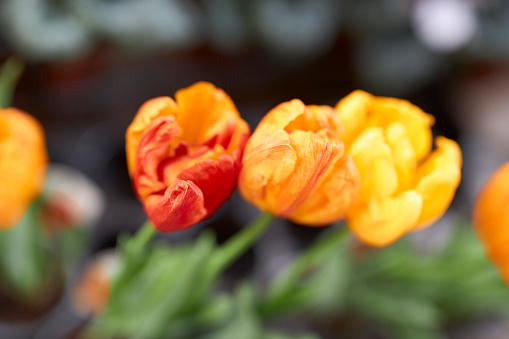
(240, 242)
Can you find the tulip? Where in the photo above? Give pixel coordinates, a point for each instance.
(491, 219)
(184, 156)
(405, 185)
(295, 166)
(23, 163)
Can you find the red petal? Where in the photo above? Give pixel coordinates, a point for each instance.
(216, 179)
(179, 208)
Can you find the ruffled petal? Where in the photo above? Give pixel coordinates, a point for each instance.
(207, 174)
(181, 206)
(208, 105)
(314, 156)
(148, 112)
(332, 196)
(383, 222)
(439, 177)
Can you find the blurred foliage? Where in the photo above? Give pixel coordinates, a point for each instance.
(398, 291)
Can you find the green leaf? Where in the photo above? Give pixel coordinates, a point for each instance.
(245, 322)
(288, 290)
(10, 72)
(23, 256)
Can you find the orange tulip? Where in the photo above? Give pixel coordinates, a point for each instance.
(405, 186)
(23, 162)
(491, 219)
(295, 166)
(184, 157)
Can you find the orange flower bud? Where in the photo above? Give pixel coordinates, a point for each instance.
(184, 157)
(491, 219)
(23, 162)
(91, 292)
(405, 186)
(295, 167)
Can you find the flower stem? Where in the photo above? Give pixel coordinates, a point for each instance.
(240, 242)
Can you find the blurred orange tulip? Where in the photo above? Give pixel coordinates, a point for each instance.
(295, 166)
(184, 156)
(23, 163)
(405, 186)
(491, 219)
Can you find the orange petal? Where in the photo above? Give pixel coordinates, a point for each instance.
(314, 156)
(208, 105)
(332, 196)
(148, 112)
(23, 164)
(491, 219)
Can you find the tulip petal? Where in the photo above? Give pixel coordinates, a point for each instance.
(405, 159)
(209, 105)
(23, 164)
(154, 147)
(439, 177)
(332, 196)
(491, 219)
(383, 222)
(417, 123)
(353, 110)
(181, 206)
(373, 158)
(314, 157)
(148, 112)
(207, 174)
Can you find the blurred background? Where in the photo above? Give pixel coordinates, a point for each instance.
(91, 63)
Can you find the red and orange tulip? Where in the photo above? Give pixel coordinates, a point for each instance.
(491, 219)
(184, 156)
(405, 186)
(295, 165)
(23, 163)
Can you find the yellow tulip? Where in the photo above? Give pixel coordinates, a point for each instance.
(23, 163)
(295, 167)
(405, 186)
(491, 219)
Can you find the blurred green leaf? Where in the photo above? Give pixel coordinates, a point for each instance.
(245, 322)
(23, 256)
(10, 72)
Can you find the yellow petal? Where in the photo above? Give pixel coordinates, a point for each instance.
(403, 153)
(417, 123)
(439, 177)
(373, 158)
(383, 222)
(353, 110)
